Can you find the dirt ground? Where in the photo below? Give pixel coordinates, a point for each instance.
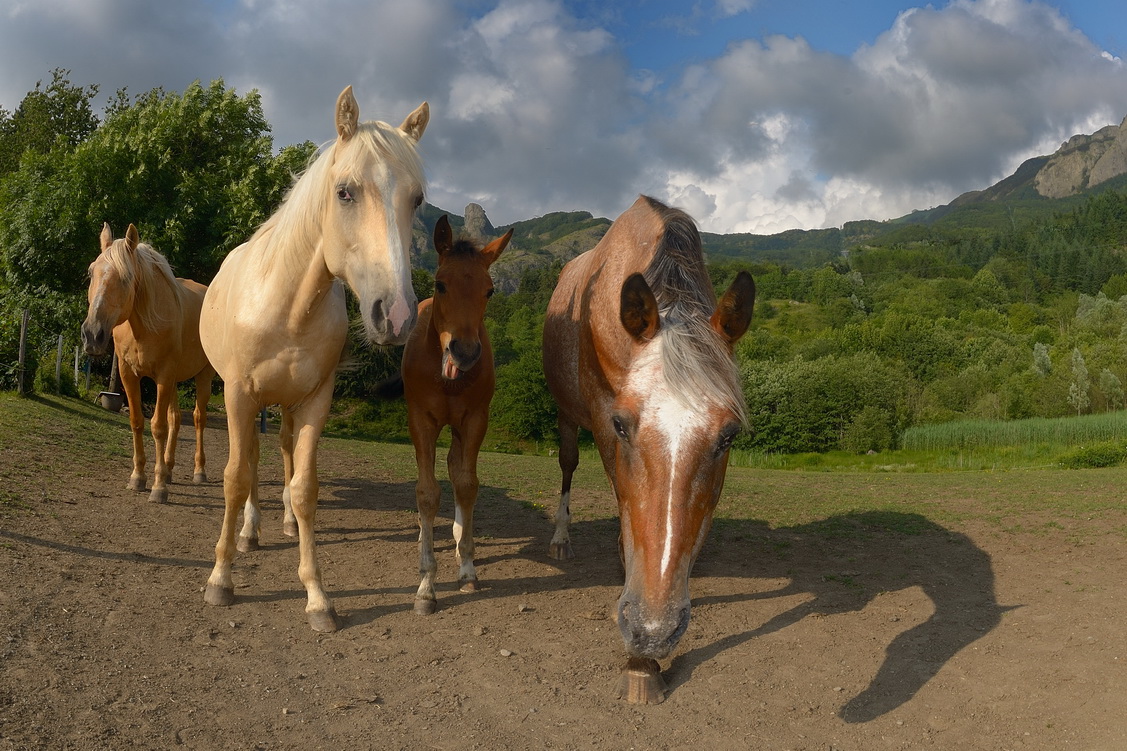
(945, 638)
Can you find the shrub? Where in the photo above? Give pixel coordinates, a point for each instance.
(1106, 454)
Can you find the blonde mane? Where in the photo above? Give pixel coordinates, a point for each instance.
(295, 225)
(142, 272)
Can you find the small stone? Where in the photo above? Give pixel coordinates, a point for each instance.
(287, 710)
(523, 608)
(480, 631)
(506, 653)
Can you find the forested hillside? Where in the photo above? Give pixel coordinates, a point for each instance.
(1007, 307)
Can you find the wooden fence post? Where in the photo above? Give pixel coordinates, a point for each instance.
(23, 350)
(59, 368)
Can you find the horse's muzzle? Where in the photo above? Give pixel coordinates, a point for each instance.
(651, 635)
(95, 340)
(394, 326)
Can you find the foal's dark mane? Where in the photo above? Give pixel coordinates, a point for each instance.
(463, 247)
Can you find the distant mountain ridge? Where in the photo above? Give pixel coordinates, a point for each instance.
(1040, 186)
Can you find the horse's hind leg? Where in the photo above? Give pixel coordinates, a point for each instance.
(199, 421)
(462, 465)
(166, 411)
(289, 521)
(251, 532)
(560, 548)
(131, 382)
(423, 435)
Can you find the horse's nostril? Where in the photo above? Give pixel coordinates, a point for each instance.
(377, 312)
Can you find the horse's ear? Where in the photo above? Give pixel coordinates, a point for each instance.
(132, 239)
(107, 236)
(415, 123)
(638, 311)
(348, 114)
(443, 236)
(733, 312)
(493, 250)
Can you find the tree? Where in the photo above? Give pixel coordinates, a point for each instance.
(1078, 388)
(1112, 389)
(58, 116)
(194, 172)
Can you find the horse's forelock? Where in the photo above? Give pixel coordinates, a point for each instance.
(142, 270)
(295, 224)
(696, 361)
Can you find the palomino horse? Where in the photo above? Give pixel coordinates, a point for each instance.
(637, 350)
(275, 322)
(155, 322)
(448, 380)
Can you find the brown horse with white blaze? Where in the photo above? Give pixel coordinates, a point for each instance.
(153, 319)
(448, 379)
(638, 351)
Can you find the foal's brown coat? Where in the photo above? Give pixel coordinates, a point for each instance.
(448, 379)
(155, 321)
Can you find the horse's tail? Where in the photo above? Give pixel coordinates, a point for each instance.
(390, 388)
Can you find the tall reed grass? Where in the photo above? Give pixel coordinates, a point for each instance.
(1058, 431)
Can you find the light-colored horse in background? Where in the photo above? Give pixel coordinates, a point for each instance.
(275, 323)
(155, 323)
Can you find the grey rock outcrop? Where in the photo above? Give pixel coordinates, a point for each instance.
(478, 225)
(1084, 162)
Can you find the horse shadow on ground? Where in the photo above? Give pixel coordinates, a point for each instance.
(839, 564)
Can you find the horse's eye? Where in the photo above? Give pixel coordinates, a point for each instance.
(440, 288)
(418, 200)
(343, 195)
(620, 429)
(725, 441)
(489, 293)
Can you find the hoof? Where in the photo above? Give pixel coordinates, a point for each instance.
(289, 529)
(159, 495)
(641, 682)
(246, 544)
(560, 551)
(136, 484)
(470, 585)
(426, 607)
(221, 596)
(199, 478)
(324, 621)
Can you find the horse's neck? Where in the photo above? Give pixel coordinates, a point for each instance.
(311, 284)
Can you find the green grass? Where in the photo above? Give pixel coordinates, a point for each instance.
(978, 434)
(863, 497)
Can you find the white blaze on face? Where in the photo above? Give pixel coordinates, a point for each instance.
(397, 257)
(676, 422)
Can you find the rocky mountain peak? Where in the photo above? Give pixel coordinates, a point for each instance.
(478, 225)
(1084, 162)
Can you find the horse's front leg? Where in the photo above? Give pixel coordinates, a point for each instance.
(424, 433)
(199, 421)
(220, 588)
(131, 382)
(560, 548)
(462, 465)
(308, 422)
(166, 413)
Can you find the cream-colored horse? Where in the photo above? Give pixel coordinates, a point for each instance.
(155, 323)
(274, 321)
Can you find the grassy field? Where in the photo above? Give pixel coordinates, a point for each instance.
(873, 490)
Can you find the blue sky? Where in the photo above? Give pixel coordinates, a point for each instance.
(754, 115)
